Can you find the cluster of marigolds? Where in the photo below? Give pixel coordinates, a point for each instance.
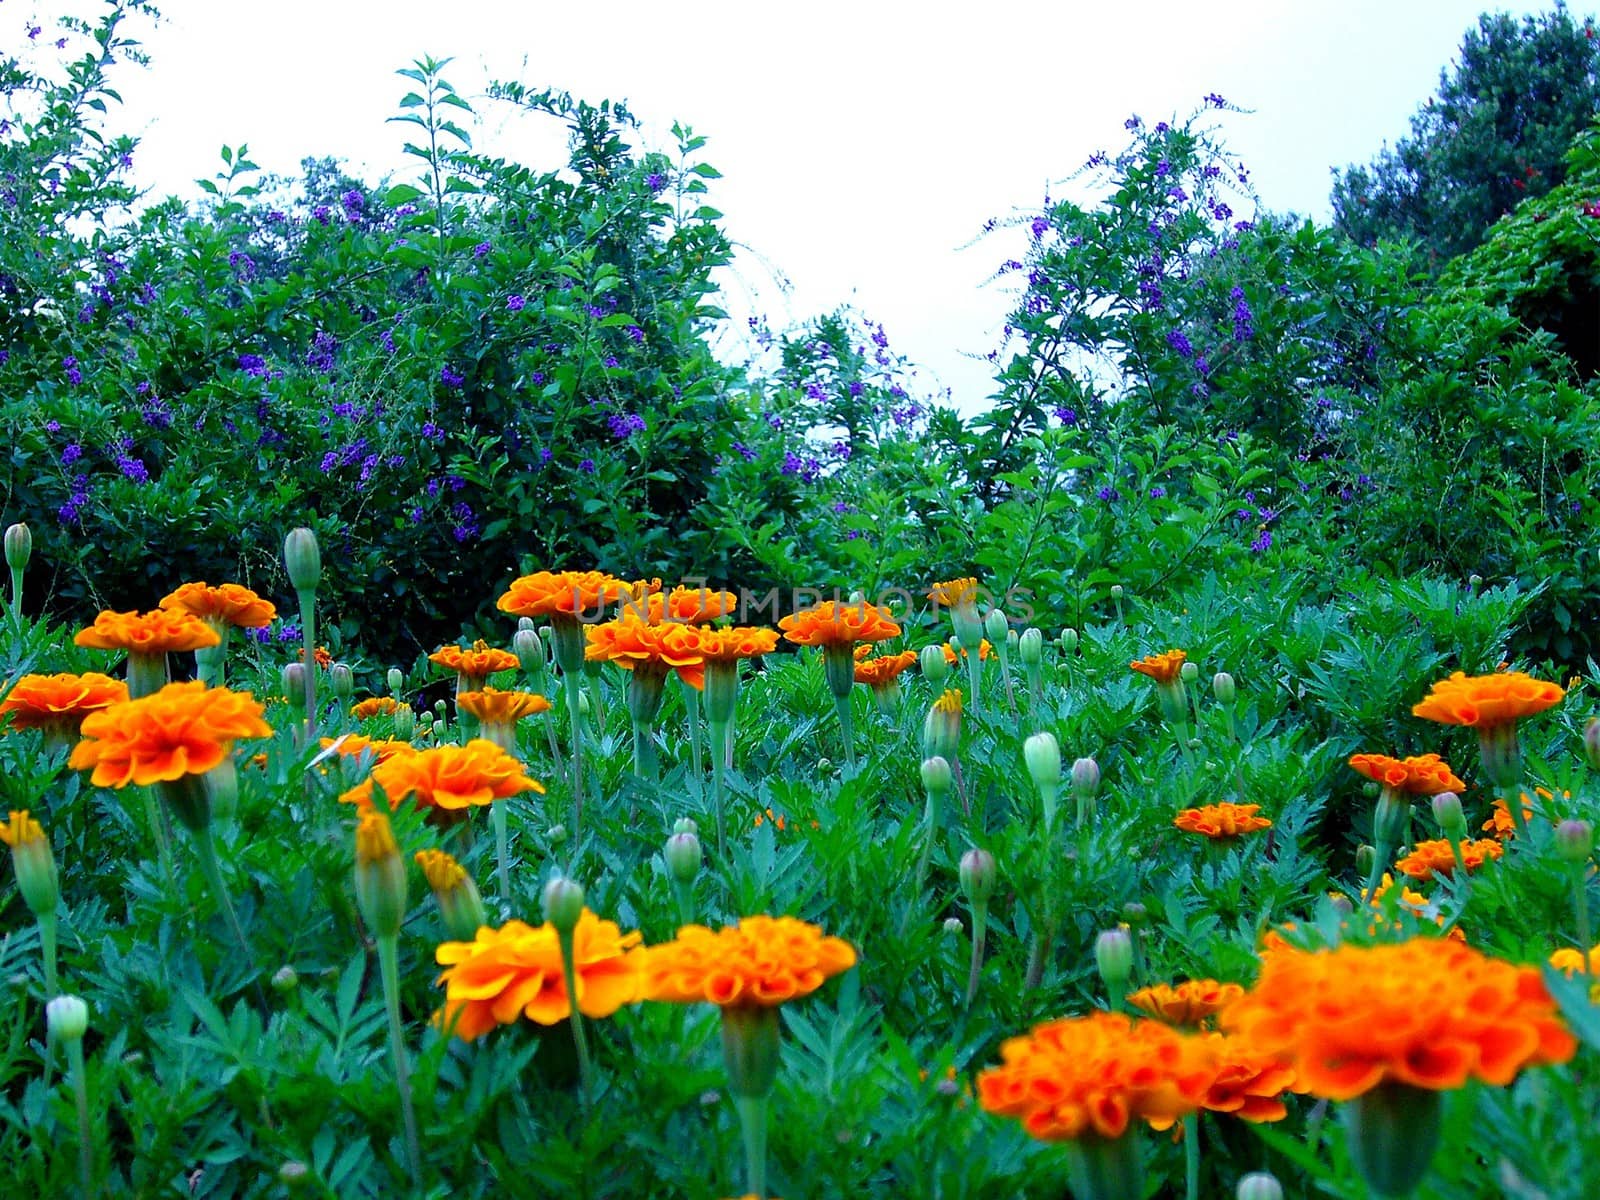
(1400, 1021)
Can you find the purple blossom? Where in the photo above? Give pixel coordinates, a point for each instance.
(655, 181)
(354, 204)
(1262, 542)
(52, 426)
(1109, 494)
(544, 455)
(1132, 122)
(69, 364)
(432, 432)
(481, 249)
(612, 361)
(454, 482)
(791, 463)
(587, 466)
(516, 303)
(416, 515)
(1180, 342)
(449, 378)
(321, 214)
(71, 453)
(625, 425)
(253, 364)
(320, 356)
(636, 334)
(1215, 100)
(1039, 227)
(744, 452)
(1067, 416)
(1157, 492)
(133, 469)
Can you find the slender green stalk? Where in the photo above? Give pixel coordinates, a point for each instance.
(308, 629)
(569, 976)
(158, 831)
(974, 673)
(80, 1091)
(502, 849)
(389, 968)
(571, 685)
(980, 930)
(206, 851)
(1191, 1157)
(1580, 906)
(691, 705)
(847, 727)
(720, 741)
(646, 765)
(47, 951)
(753, 1127)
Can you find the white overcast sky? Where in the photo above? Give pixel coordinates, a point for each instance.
(862, 144)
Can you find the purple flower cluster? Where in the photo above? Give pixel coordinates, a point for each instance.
(1243, 320)
(71, 453)
(348, 456)
(587, 466)
(625, 425)
(320, 356)
(1108, 494)
(244, 267)
(253, 365)
(481, 249)
(655, 181)
(516, 303)
(354, 203)
(69, 364)
(450, 378)
(432, 432)
(1067, 416)
(69, 513)
(466, 524)
(1180, 342)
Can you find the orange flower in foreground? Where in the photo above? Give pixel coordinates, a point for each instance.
(515, 971)
(60, 701)
(1249, 1083)
(691, 606)
(760, 963)
(740, 641)
(952, 657)
(955, 593)
(1222, 820)
(1092, 1075)
(494, 707)
(446, 777)
(161, 631)
(478, 663)
(352, 745)
(832, 623)
(1428, 859)
(374, 706)
(1483, 701)
(1419, 775)
(880, 672)
(632, 644)
(1428, 1013)
(1189, 1003)
(227, 604)
(1163, 668)
(183, 729)
(561, 594)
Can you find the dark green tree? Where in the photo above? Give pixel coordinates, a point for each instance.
(1497, 132)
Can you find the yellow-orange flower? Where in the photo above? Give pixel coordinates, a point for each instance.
(880, 672)
(60, 701)
(779, 821)
(1427, 1013)
(1163, 668)
(353, 745)
(160, 631)
(515, 971)
(480, 662)
(1092, 1075)
(319, 655)
(1568, 960)
(834, 624)
(691, 606)
(442, 872)
(568, 594)
(630, 644)
(955, 593)
(1190, 1003)
(760, 963)
(227, 604)
(1249, 1083)
(1501, 825)
(494, 707)
(1428, 859)
(20, 829)
(952, 657)
(1413, 900)
(1483, 701)
(1419, 775)
(183, 729)
(1223, 820)
(446, 777)
(732, 644)
(374, 706)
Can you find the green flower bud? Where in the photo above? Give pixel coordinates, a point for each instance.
(996, 626)
(441, 710)
(1366, 858)
(1574, 840)
(563, 903)
(978, 873)
(293, 678)
(1030, 648)
(425, 721)
(285, 979)
(934, 667)
(1223, 688)
(1069, 640)
(525, 644)
(937, 778)
(294, 1175)
(405, 722)
(1113, 957)
(1135, 914)
(1116, 591)
(1085, 778)
(1259, 1185)
(1391, 819)
(67, 1018)
(525, 623)
(1189, 672)
(583, 704)
(686, 825)
(34, 863)
(343, 681)
(19, 546)
(953, 926)
(1042, 753)
(1591, 743)
(824, 766)
(396, 680)
(682, 853)
(1447, 812)
(557, 834)
(303, 559)
(1392, 1132)
(1013, 640)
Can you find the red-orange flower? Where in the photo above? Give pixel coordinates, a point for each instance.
(1483, 701)
(160, 631)
(691, 606)
(1249, 1083)
(952, 657)
(1163, 668)
(568, 594)
(1419, 775)
(374, 706)
(1092, 1075)
(834, 624)
(480, 662)
(446, 777)
(1501, 824)
(353, 745)
(1428, 859)
(494, 707)
(760, 963)
(516, 971)
(227, 604)
(60, 701)
(1428, 1013)
(732, 644)
(183, 729)
(631, 644)
(1190, 1003)
(880, 672)
(1223, 820)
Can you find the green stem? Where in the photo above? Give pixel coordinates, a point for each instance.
(719, 780)
(974, 674)
(980, 929)
(502, 849)
(753, 1126)
(1191, 1157)
(158, 830)
(308, 629)
(1514, 804)
(847, 726)
(211, 868)
(1382, 853)
(570, 684)
(389, 968)
(645, 763)
(47, 951)
(1580, 905)
(691, 704)
(570, 976)
(80, 1091)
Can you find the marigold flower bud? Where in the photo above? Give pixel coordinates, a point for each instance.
(563, 903)
(1366, 856)
(1042, 753)
(1390, 820)
(1069, 640)
(996, 626)
(1113, 956)
(937, 778)
(1224, 689)
(1030, 647)
(557, 834)
(441, 710)
(1189, 672)
(686, 825)
(1259, 1185)
(1393, 1131)
(293, 678)
(405, 722)
(380, 875)
(1447, 812)
(525, 644)
(1591, 743)
(1574, 841)
(19, 546)
(953, 926)
(934, 667)
(67, 1018)
(1475, 581)
(1085, 778)
(1135, 914)
(1116, 591)
(824, 765)
(583, 704)
(294, 1175)
(968, 626)
(682, 853)
(302, 557)
(396, 679)
(978, 872)
(34, 863)
(285, 979)
(343, 681)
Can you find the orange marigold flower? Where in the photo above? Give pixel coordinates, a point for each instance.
(1249, 1083)
(880, 672)
(1413, 900)
(60, 701)
(480, 662)
(952, 657)
(353, 745)
(760, 963)
(834, 624)
(1431, 858)
(183, 729)
(1568, 960)
(560, 594)
(954, 593)
(1163, 668)
(689, 606)
(515, 971)
(1427, 1013)
(1092, 1075)
(374, 706)
(227, 604)
(446, 777)
(494, 707)
(630, 644)
(1501, 825)
(1189, 1003)
(160, 631)
(319, 655)
(1483, 701)
(779, 822)
(1419, 775)
(740, 641)
(1222, 820)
